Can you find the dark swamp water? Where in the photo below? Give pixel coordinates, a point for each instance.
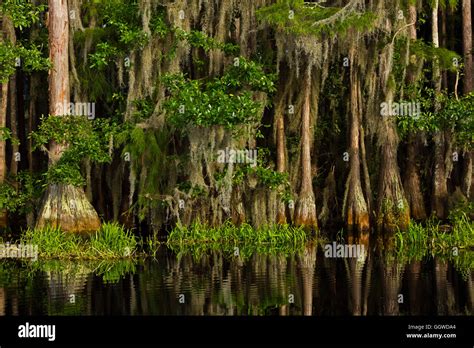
(305, 284)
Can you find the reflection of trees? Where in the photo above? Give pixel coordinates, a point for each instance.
(306, 263)
(391, 271)
(68, 280)
(328, 286)
(414, 287)
(2, 301)
(358, 281)
(219, 285)
(470, 293)
(446, 299)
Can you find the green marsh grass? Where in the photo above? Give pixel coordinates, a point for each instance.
(112, 241)
(454, 242)
(242, 241)
(435, 238)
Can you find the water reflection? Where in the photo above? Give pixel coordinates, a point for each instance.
(375, 283)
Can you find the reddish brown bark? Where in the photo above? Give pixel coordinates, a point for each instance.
(305, 214)
(64, 205)
(355, 205)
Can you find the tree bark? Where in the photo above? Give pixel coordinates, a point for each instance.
(440, 187)
(64, 205)
(467, 46)
(355, 206)
(467, 88)
(281, 165)
(12, 98)
(305, 214)
(412, 183)
(3, 122)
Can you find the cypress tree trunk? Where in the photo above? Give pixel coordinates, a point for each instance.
(392, 207)
(63, 205)
(467, 46)
(411, 183)
(467, 88)
(3, 121)
(12, 98)
(440, 187)
(355, 207)
(281, 215)
(305, 214)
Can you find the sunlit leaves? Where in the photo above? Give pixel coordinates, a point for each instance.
(22, 13)
(227, 100)
(446, 59)
(103, 54)
(301, 18)
(31, 59)
(199, 39)
(455, 114)
(85, 139)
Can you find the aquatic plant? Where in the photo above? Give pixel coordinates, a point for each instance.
(111, 241)
(239, 241)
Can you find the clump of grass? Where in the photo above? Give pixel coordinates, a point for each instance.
(454, 242)
(111, 241)
(152, 244)
(52, 242)
(241, 241)
(435, 238)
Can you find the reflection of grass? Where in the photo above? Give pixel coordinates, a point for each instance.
(111, 271)
(242, 241)
(110, 242)
(454, 243)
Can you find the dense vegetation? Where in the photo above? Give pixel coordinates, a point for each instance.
(162, 114)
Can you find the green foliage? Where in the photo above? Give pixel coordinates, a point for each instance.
(23, 196)
(300, 18)
(436, 239)
(158, 24)
(7, 61)
(22, 13)
(226, 100)
(103, 54)
(199, 239)
(31, 59)
(84, 139)
(447, 59)
(112, 241)
(148, 152)
(6, 134)
(199, 39)
(122, 30)
(456, 114)
(52, 242)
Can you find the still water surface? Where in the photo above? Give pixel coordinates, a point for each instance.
(306, 284)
